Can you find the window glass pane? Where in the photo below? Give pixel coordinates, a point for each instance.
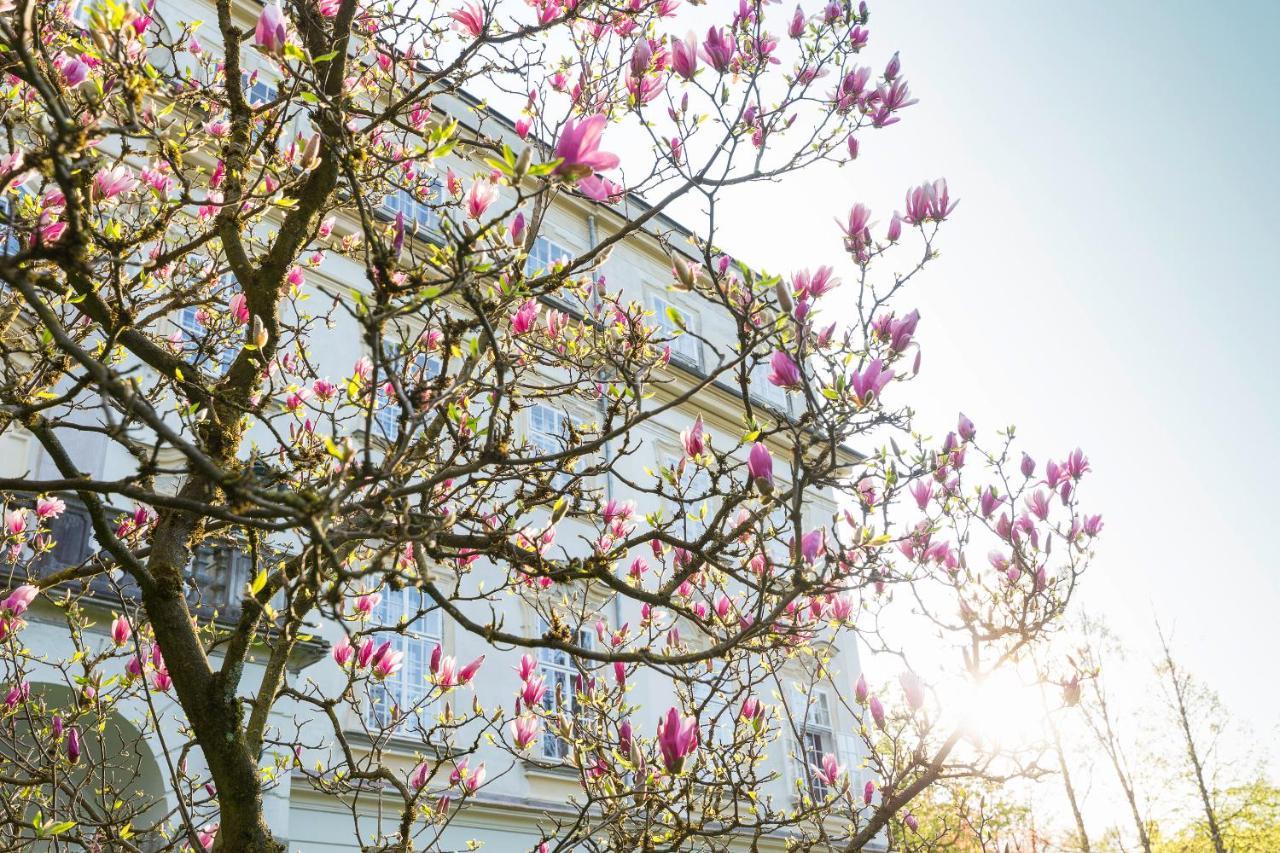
(684, 346)
(409, 685)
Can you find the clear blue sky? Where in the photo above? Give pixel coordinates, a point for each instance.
(1107, 281)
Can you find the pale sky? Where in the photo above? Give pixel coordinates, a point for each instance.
(1105, 282)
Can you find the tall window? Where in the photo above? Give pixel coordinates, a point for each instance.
(420, 368)
(543, 255)
(549, 433)
(563, 681)
(716, 712)
(216, 358)
(419, 217)
(685, 348)
(9, 242)
(818, 738)
(394, 696)
(257, 90)
(765, 391)
(695, 485)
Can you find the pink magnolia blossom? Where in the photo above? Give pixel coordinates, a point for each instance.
(525, 730)
(73, 745)
(342, 651)
(579, 149)
(271, 32)
(760, 466)
(121, 630)
(684, 56)
(922, 491)
(677, 739)
(877, 711)
(870, 381)
(829, 771)
(471, 18)
(913, 689)
(15, 521)
(525, 318)
(813, 544)
(483, 193)
(693, 439)
(50, 507)
(718, 49)
(115, 181)
(239, 308)
(365, 604)
(388, 663)
(19, 600)
(73, 69)
(783, 370)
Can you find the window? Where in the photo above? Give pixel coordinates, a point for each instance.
(818, 738)
(544, 254)
(562, 680)
(409, 686)
(549, 433)
(9, 242)
(716, 716)
(685, 348)
(694, 483)
(422, 367)
(194, 335)
(765, 391)
(419, 216)
(257, 91)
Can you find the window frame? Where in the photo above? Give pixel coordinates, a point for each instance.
(409, 684)
(680, 341)
(559, 668)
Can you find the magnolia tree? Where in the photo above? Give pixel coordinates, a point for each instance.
(143, 182)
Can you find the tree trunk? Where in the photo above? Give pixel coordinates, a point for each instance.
(1197, 766)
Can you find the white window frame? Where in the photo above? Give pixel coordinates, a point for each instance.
(560, 676)
(765, 391)
(548, 442)
(386, 416)
(696, 486)
(419, 217)
(817, 733)
(261, 91)
(543, 254)
(193, 332)
(685, 348)
(408, 686)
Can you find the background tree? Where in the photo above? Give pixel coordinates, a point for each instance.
(143, 179)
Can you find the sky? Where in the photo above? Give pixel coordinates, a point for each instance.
(1105, 282)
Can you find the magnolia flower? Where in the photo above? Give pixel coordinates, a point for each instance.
(15, 521)
(677, 738)
(238, 306)
(910, 822)
(922, 491)
(684, 56)
(813, 544)
(870, 381)
(829, 771)
(470, 18)
(73, 745)
(532, 690)
(115, 181)
(868, 792)
(73, 69)
(50, 507)
(525, 318)
(877, 711)
(19, 600)
(718, 49)
(966, 428)
(342, 651)
(693, 439)
(121, 630)
(388, 663)
(913, 688)
(483, 193)
(524, 730)
(579, 149)
(366, 603)
(270, 34)
(760, 467)
(783, 371)
(418, 778)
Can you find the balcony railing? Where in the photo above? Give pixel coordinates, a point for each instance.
(216, 576)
